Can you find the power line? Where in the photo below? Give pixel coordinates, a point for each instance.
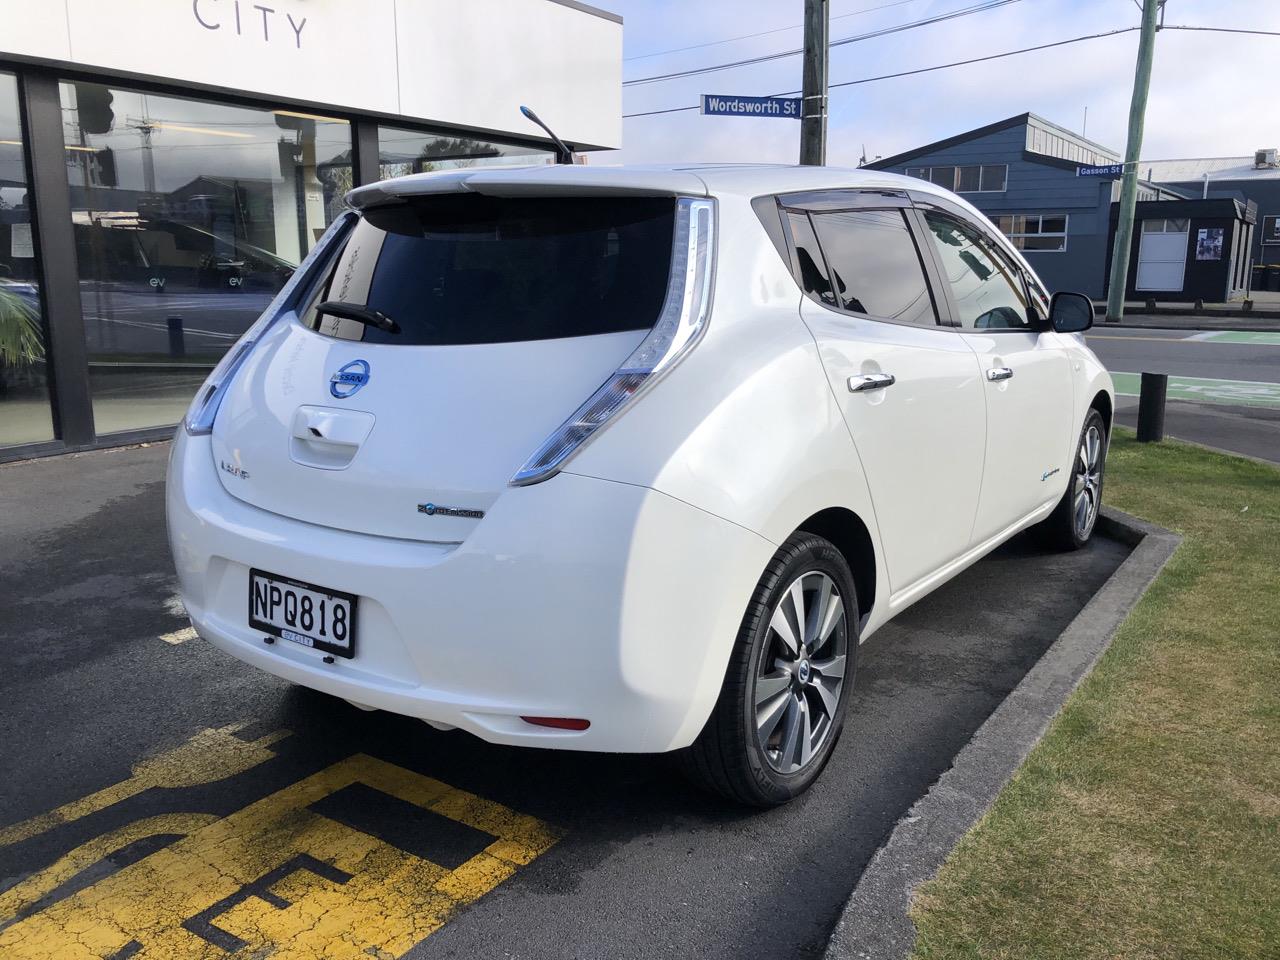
(1256, 33)
(762, 33)
(908, 73)
(899, 28)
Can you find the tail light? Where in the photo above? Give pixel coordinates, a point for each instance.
(204, 407)
(680, 325)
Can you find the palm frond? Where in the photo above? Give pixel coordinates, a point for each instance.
(21, 341)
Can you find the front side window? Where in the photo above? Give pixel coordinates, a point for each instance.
(470, 269)
(987, 289)
(875, 266)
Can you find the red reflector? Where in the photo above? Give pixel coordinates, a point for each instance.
(560, 723)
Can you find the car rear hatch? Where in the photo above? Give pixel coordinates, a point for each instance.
(510, 307)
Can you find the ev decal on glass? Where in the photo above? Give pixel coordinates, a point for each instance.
(349, 379)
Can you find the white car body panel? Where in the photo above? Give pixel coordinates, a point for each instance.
(410, 457)
(1029, 428)
(573, 598)
(919, 443)
(614, 590)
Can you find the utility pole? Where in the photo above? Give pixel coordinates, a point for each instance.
(813, 110)
(1132, 153)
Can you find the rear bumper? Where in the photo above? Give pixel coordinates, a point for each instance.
(572, 598)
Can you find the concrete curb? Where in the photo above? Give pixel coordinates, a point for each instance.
(1155, 321)
(874, 924)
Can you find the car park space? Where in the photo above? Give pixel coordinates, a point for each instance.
(166, 800)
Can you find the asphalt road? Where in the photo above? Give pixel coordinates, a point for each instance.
(1224, 388)
(1189, 353)
(248, 831)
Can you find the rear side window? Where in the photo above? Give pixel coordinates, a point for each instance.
(470, 269)
(875, 266)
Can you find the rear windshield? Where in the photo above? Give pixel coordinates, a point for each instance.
(470, 269)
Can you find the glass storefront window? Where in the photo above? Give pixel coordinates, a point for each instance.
(24, 394)
(402, 152)
(188, 216)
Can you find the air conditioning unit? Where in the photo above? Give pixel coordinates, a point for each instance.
(1266, 158)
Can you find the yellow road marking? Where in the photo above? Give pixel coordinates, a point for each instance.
(209, 756)
(21, 896)
(179, 636)
(329, 891)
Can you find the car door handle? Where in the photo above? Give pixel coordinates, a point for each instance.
(996, 374)
(871, 381)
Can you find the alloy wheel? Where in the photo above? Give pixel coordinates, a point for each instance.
(800, 676)
(1087, 484)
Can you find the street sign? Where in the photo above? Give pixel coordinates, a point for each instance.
(1101, 170)
(714, 105)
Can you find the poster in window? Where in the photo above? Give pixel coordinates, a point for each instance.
(1209, 243)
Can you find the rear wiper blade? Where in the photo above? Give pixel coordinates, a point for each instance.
(365, 315)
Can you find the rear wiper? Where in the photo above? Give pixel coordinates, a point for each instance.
(365, 315)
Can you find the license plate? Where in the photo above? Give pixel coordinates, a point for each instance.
(303, 613)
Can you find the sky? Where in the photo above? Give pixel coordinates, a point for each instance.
(1212, 94)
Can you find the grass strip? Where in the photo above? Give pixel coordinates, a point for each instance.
(1146, 824)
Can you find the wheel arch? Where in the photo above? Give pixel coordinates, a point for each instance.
(1103, 404)
(849, 534)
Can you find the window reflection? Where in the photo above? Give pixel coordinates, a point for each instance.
(401, 152)
(24, 395)
(188, 217)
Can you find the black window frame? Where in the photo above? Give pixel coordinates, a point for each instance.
(844, 200)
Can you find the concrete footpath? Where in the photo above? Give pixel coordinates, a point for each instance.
(1184, 319)
(1263, 314)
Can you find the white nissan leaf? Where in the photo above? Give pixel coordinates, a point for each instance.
(633, 458)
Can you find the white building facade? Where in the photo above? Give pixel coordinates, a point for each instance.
(164, 164)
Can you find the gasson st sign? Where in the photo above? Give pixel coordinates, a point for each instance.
(715, 105)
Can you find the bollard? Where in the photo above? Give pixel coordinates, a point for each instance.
(1151, 407)
(177, 342)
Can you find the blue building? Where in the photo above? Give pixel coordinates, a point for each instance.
(1024, 174)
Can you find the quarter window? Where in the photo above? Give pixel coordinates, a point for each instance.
(875, 267)
(810, 268)
(1035, 232)
(987, 289)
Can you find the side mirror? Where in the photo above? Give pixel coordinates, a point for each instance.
(1070, 312)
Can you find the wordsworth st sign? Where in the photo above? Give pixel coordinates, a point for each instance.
(714, 105)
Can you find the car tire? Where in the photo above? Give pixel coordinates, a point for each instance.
(793, 676)
(1072, 522)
